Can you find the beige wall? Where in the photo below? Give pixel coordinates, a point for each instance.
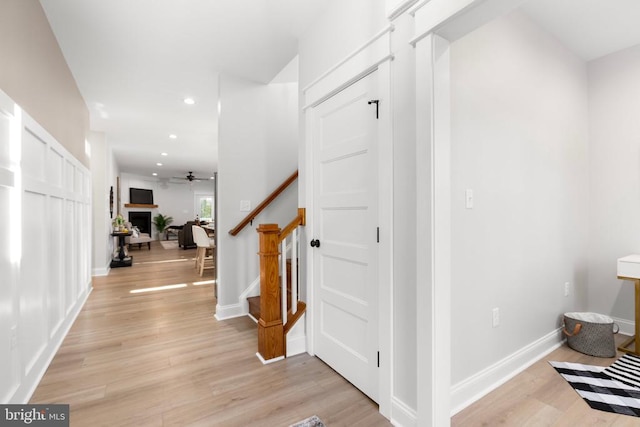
(34, 73)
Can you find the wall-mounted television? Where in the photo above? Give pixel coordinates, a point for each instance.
(140, 196)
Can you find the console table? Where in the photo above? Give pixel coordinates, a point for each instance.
(121, 260)
(629, 269)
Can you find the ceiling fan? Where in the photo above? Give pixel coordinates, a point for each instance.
(190, 177)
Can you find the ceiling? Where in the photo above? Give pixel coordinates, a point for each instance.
(135, 61)
(590, 28)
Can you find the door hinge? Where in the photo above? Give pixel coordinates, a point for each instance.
(378, 359)
(377, 234)
(377, 102)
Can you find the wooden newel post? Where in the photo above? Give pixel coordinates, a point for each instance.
(270, 327)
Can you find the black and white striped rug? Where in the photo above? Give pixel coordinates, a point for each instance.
(613, 389)
(626, 369)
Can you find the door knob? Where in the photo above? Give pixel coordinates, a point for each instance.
(315, 243)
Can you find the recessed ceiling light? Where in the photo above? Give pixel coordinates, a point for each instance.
(164, 154)
(173, 136)
(189, 101)
(159, 164)
(154, 174)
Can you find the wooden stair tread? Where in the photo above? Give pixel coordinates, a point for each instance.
(254, 307)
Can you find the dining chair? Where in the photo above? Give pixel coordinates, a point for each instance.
(204, 244)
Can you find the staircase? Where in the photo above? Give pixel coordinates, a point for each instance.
(278, 308)
(254, 307)
(254, 302)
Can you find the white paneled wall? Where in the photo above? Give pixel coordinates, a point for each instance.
(45, 247)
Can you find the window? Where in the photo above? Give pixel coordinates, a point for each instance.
(204, 207)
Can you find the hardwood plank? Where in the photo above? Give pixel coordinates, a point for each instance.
(539, 396)
(161, 359)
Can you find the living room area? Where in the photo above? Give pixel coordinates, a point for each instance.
(159, 213)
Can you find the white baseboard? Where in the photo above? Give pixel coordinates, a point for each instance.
(224, 312)
(627, 327)
(402, 415)
(473, 388)
(30, 383)
(266, 362)
(101, 271)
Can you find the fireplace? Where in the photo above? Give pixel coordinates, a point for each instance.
(142, 220)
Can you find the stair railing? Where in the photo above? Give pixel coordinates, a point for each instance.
(275, 318)
(266, 202)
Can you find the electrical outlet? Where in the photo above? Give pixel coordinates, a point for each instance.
(496, 317)
(566, 289)
(14, 337)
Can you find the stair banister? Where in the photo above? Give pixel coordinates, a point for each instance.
(266, 202)
(294, 271)
(283, 279)
(275, 320)
(270, 324)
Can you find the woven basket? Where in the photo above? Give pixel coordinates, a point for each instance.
(590, 333)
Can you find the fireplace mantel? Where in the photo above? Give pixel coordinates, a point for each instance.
(137, 205)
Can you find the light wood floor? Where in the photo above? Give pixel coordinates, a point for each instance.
(161, 359)
(539, 396)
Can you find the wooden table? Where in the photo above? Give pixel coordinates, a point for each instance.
(624, 347)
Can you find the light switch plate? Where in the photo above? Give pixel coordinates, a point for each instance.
(468, 199)
(245, 205)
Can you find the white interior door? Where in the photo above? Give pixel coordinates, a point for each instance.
(345, 159)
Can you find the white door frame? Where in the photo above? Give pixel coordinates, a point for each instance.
(374, 56)
(433, 244)
(437, 24)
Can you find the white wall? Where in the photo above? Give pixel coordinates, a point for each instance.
(345, 26)
(519, 141)
(45, 254)
(173, 199)
(614, 102)
(102, 179)
(257, 151)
